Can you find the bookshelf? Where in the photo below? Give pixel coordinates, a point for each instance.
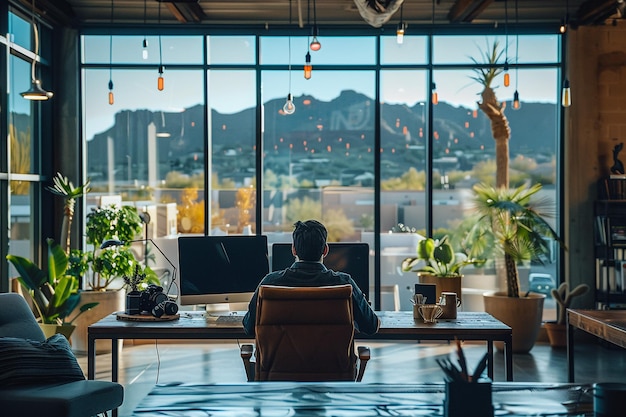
(610, 253)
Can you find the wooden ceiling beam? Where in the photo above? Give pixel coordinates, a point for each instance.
(595, 12)
(58, 11)
(467, 10)
(186, 12)
(174, 10)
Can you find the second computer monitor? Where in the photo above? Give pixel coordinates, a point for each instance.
(351, 258)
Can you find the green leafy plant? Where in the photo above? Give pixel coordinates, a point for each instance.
(54, 293)
(515, 225)
(105, 265)
(439, 257)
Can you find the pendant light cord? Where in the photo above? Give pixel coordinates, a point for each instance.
(516, 46)
(36, 33)
(289, 53)
(111, 47)
(32, 67)
(160, 50)
(506, 30)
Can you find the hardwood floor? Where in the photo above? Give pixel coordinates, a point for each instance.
(143, 366)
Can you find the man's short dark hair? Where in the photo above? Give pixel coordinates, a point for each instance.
(309, 240)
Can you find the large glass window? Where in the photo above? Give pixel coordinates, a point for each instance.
(20, 167)
(218, 145)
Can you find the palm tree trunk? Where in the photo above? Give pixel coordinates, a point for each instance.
(512, 279)
(501, 133)
(66, 226)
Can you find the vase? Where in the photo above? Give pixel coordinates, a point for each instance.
(523, 315)
(557, 334)
(108, 302)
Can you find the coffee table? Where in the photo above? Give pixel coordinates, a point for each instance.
(350, 399)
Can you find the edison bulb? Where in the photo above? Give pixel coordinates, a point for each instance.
(289, 107)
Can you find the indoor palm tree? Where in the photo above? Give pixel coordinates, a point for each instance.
(63, 187)
(516, 224)
(486, 73)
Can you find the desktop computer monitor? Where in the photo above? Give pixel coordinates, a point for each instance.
(221, 269)
(351, 258)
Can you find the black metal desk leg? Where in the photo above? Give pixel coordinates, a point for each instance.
(490, 359)
(570, 351)
(115, 360)
(508, 357)
(91, 357)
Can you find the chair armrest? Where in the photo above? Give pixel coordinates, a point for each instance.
(246, 351)
(364, 356)
(363, 352)
(246, 355)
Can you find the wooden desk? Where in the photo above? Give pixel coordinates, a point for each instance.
(395, 325)
(343, 399)
(609, 325)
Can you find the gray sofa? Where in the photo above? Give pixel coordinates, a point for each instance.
(40, 377)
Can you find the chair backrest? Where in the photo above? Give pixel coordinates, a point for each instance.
(305, 334)
(17, 319)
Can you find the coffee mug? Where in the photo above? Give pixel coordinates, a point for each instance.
(430, 312)
(449, 303)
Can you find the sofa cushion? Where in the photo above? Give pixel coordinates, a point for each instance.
(71, 399)
(29, 362)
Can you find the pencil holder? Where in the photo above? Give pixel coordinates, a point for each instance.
(468, 399)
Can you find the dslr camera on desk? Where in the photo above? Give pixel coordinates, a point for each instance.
(152, 300)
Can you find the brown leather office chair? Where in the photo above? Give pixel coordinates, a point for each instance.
(305, 334)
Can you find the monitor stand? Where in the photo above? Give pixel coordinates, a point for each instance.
(222, 309)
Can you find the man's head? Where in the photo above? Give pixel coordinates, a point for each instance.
(309, 240)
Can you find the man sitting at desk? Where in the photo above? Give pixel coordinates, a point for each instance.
(310, 247)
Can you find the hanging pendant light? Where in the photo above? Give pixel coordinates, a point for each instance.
(434, 95)
(315, 45)
(36, 91)
(308, 68)
(144, 45)
(401, 27)
(566, 97)
(111, 96)
(516, 103)
(160, 80)
(507, 77)
(289, 107)
(565, 22)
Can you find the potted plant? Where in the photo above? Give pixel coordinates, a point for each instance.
(54, 293)
(556, 330)
(439, 265)
(516, 225)
(100, 268)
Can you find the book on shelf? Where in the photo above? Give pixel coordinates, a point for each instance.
(618, 234)
(611, 276)
(601, 230)
(613, 189)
